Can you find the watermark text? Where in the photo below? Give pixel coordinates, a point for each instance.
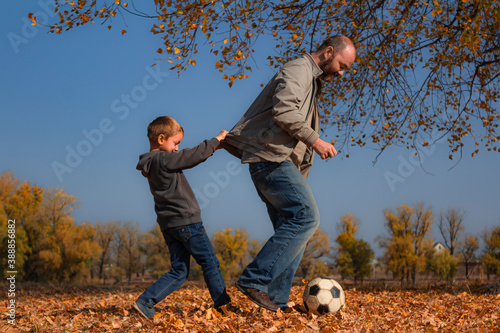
(92, 138)
(11, 272)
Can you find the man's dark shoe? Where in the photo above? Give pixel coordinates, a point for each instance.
(258, 297)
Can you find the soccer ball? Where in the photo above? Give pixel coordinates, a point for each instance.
(324, 295)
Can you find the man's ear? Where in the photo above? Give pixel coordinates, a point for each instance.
(328, 53)
(160, 139)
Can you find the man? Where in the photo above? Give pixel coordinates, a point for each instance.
(277, 137)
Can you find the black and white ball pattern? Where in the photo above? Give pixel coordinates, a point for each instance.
(324, 295)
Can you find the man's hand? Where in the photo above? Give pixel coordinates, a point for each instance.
(222, 135)
(324, 149)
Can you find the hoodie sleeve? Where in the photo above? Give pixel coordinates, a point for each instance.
(189, 157)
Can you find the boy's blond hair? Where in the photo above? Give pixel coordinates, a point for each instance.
(165, 125)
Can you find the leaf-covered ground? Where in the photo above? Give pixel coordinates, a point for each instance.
(71, 309)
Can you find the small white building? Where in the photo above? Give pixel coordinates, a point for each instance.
(439, 248)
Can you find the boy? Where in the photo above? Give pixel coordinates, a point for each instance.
(178, 212)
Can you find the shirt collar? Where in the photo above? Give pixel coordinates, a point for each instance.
(316, 70)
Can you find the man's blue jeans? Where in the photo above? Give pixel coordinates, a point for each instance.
(183, 242)
(295, 217)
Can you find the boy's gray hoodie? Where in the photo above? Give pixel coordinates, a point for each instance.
(175, 203)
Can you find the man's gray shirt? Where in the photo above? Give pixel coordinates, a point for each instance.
(277, 119)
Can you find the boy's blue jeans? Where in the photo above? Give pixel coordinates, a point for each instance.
(295, 217)
(183, 242)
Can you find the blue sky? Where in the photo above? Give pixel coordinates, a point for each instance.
(75, 108)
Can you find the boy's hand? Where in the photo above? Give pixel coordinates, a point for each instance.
(222, 135)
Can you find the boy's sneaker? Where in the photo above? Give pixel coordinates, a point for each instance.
(144, 310)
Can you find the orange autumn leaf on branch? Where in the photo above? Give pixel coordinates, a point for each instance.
(425, 71)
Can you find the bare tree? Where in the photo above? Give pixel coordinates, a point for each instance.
(469, 247)
(450, 226)
(104, 236)
(130, 255)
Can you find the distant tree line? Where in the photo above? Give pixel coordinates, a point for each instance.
(51, 247)
(409, 247)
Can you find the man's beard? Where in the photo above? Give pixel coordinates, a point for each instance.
(322, 65)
